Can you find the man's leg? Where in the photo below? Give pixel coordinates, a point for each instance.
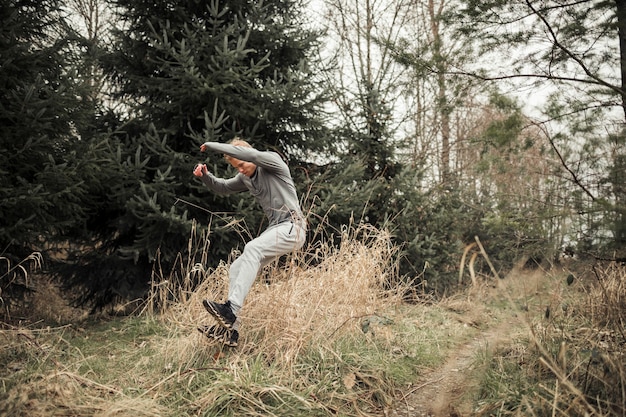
(272, 243)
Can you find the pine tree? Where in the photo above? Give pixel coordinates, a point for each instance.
(42, 111)
(190, 72)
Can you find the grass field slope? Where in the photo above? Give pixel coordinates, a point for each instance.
(335, 338)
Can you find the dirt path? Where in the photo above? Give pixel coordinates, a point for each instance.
(440, 393)
(443, 392)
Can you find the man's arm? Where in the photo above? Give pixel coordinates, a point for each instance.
(268, 160)
(219, 185)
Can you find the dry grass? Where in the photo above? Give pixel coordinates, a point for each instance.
(573, 363)
(303, 350)
(588, 359)
(295, 319)
(321, 336)
(65, 394)
(297, 305)
(16, 278)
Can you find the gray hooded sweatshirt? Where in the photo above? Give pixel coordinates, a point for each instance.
(271, 185)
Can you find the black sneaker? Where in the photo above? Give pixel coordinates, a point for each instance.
(231, 337)
(222, 313)
(220, 334)
(214, 332)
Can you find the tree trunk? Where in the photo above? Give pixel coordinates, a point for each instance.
(442, 102)
(621, 25)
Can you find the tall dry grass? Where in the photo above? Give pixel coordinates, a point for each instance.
(313, 297)
(588, 359)
(302, 350)
(296, 317)
(16, 283)
(574, 363)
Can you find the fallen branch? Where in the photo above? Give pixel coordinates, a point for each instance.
(482, 250)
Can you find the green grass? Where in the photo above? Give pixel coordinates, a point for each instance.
(325, 341)
(570, 362)
(102, 367)
(502, 382)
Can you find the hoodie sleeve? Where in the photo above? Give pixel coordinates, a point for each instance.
(270, 161)
(224, 186)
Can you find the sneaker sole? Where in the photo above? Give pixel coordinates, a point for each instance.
(216, 315)
(208, 335)
(226, 340)
(217, 337)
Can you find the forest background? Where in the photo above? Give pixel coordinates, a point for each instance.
(448, 123)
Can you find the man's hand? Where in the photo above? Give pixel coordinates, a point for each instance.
(203, 148)
(200, 169)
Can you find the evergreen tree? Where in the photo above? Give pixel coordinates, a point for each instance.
(372, 145)
(189, 72)
(43, 109)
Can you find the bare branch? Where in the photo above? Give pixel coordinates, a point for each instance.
(569, 53)
(575, 179)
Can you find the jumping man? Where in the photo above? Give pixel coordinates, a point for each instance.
(266, 176)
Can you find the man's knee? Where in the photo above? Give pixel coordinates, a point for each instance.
(252, 252)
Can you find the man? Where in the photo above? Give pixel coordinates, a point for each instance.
(266, 176)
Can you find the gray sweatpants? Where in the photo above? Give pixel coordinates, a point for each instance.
(275, 241)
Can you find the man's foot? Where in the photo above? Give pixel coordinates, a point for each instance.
(214, 332)
(222, 313)
(229, 337)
